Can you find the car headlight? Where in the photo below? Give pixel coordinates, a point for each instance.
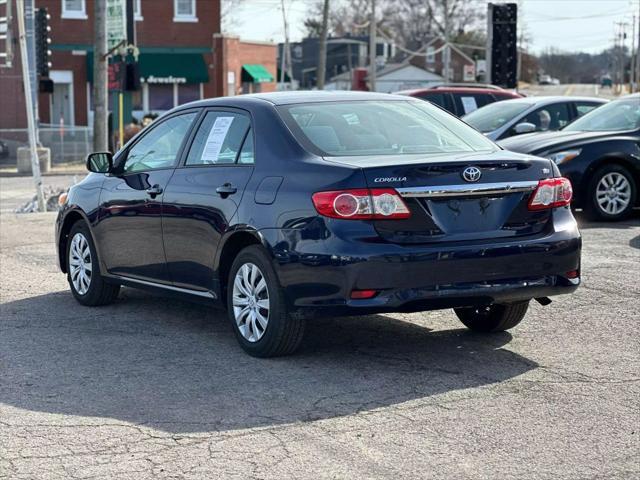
(565, 156)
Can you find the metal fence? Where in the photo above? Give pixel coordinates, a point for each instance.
(67, 144)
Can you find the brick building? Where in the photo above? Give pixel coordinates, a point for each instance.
(183, 57)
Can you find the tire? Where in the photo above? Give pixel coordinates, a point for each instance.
(494, 318)
(282, 332)
(600, 194)
(96, 291)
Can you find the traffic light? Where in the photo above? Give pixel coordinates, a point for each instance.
(502, 48)
(43, 54)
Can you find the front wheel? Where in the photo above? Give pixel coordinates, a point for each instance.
(611, 193)
(257, 308)
(83, 270)
(492, 318)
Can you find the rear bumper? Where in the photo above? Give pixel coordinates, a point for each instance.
(318, 275)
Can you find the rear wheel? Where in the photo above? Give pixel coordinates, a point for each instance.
(492, 318)
(83, 269)
(611, 193)
(257, 309)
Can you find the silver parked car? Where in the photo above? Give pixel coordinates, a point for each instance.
(505, 119)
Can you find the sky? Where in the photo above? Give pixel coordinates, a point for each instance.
(570, 25)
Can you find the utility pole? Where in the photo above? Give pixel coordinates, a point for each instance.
(287, 50)
(372, 47)
(446, 52)
(29, 14)
(638, 54)
(100, 94)
(632, 66)
(322, 60)
(28, 100)
(621, 56)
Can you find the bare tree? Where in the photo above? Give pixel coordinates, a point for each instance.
(411, 23)
(229, 21)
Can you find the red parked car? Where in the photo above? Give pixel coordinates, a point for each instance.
(461, 99)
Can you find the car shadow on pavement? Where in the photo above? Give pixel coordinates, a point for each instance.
(176, 366)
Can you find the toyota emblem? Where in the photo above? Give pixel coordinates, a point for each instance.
(471, 174)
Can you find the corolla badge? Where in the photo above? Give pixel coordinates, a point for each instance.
(390, 179)
(471, 174)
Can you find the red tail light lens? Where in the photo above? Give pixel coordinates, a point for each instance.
(361, 204)
(363, 294)
(551, 193)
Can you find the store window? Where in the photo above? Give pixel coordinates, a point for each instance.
(160, 97)
(184, 11)
(76, 9)
(188, 93)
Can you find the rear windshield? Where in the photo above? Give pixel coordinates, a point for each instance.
(380, 128)
(493, 116)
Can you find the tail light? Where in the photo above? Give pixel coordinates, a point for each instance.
(551, 193)
(361, 204)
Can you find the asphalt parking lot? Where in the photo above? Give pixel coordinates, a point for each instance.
(157, 388)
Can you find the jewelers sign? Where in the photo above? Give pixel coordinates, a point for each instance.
(116, 23)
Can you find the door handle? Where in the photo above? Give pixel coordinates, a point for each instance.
(225, 190)
(153, 191)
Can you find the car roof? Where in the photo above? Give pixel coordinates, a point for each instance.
(295, 97)
(546, 100)
(457, 89)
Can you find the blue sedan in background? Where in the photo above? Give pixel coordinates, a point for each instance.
(286, 206)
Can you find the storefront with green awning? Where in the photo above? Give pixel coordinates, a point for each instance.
(252, 76)
(168, 79)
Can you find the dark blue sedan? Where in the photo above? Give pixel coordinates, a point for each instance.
(287, 206)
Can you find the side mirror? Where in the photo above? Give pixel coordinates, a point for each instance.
(524, 127)
(100, 162)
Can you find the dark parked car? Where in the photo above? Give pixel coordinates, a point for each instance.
(291, 205)
(461, 99)
(599, 153)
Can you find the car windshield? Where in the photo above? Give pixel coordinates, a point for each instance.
(353, 128)
(495, 115)
(623, 114)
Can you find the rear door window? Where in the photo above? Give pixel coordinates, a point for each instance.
(219, 139)
(550, 117)
(467, 103)
(440, 99)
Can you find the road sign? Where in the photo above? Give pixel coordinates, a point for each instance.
(469, 74)
(116, 23)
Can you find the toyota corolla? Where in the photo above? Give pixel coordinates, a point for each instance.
(284, 207)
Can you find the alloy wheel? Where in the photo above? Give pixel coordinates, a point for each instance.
(80, 266)
(250, 302)
(613, 193)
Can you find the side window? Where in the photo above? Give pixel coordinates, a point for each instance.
(551, 117)
(219, 139)
(583, 108)
(437, 98)
(467, 103)
(246, 153)
(159, 147)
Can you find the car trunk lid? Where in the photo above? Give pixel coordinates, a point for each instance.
(454, 198)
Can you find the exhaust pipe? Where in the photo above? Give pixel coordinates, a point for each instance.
(544, 301)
